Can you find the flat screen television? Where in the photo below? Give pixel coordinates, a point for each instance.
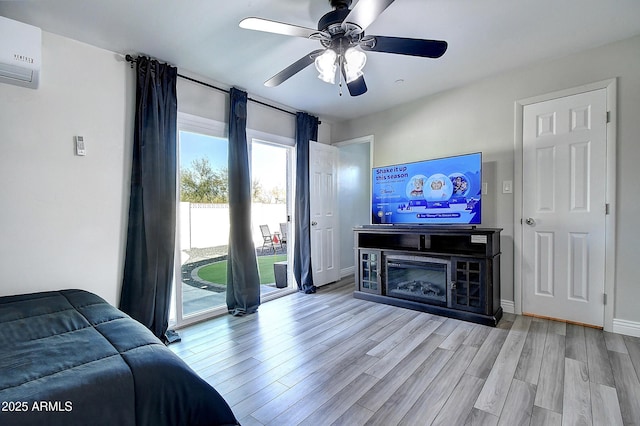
(441, 191)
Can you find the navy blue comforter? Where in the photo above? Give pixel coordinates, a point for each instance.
(69, 358)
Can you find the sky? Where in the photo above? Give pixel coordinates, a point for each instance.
(270, 167)
(194, 145)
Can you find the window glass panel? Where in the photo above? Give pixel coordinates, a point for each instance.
(204, 222)
(269, 208)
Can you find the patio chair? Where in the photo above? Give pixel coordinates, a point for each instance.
(267, 239)
(283, 234)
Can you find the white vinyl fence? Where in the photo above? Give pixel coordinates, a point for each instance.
(207, 225)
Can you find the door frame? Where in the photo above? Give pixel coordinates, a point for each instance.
(289, 145)
(610, 196)
(369, 139)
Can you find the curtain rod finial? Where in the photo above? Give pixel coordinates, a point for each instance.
(130, 59)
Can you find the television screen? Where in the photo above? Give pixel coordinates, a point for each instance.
(438, 191)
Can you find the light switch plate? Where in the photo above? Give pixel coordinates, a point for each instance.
(507, 187)
(80, 149)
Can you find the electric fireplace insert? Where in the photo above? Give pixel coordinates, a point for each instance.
(418, 278)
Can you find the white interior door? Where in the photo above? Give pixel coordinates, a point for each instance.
(564, 185)
(325, 248)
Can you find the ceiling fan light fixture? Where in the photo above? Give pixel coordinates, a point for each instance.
(326, 66)
(354, 63)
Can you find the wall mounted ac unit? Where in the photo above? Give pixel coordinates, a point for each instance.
(20, 53)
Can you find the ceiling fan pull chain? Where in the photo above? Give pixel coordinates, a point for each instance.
(340, 65)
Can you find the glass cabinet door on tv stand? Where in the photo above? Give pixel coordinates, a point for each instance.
(468, 284)
(370, 268)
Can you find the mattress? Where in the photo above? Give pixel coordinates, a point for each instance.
(70, 358)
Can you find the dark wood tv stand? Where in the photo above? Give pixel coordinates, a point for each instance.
(449, 271)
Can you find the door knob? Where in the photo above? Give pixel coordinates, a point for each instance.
(530, 221)
(314, 223)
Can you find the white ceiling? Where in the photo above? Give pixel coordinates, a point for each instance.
(486, 37)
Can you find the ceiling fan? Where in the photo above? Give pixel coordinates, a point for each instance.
(341, 33)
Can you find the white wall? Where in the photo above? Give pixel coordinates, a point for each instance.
(63, 217)
(480, 117)
(198, 100)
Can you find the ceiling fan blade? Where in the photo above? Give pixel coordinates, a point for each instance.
(275, 27)
(293, 69)
(366, 11)
(357, 87)
(406, 46)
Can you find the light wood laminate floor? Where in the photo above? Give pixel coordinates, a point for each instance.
(330, 359)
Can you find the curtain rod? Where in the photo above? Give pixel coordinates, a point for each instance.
(132, 60)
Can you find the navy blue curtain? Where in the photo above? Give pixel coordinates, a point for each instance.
(148, 267)
(243, 281)
(306, 130)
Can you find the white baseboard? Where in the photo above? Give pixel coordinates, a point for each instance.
(347, 271)
(508, 306)
(630, 328)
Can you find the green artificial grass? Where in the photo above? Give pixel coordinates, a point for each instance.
(217, 272)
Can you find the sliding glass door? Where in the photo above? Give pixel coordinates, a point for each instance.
(203, 219)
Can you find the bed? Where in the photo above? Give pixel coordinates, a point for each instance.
(70, 358)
